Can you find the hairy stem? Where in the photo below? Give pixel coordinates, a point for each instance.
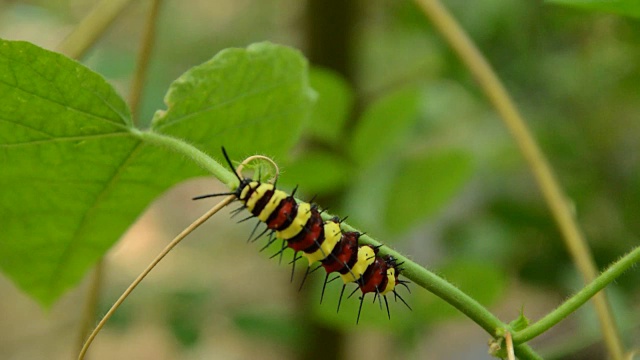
(190, 152)
(549, 187)
(144, 55)
(421, 276)
(85, 34)
(577, 300)
(446, 291)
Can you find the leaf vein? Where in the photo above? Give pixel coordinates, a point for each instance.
(227, 102)
(68, 249)
(66, 139)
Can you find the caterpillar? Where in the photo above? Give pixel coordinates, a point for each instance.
(300, 226)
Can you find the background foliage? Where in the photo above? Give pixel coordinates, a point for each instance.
(403, 143)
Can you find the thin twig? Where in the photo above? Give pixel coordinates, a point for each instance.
(144, 55)
(140, 277)
(555, 198)
(509, 344)
(74, 46)
(166, 250)
(91, 27)
(91, 303)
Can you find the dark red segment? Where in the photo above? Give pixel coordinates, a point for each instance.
(344, 255)
(375, 278)
(311, 236)
(283, 215)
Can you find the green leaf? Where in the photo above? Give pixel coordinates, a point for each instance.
(621, 7)
(184, 315)
(248, 100)
(316, 172)
(269, 325)
(335, 101)
(64, 140)
(520, 323)
(76, 174)
(424, 185)
(384, 125)
(482, 281)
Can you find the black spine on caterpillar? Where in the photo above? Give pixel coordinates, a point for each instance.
(300, 226)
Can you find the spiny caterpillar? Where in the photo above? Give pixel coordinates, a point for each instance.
(300, 226)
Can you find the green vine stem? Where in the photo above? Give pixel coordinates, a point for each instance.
(577, 300)
(85, 34)
(191, 152)
(416, 273)
(413, 271)
(447, 292)
(555, 198)
(421, 276)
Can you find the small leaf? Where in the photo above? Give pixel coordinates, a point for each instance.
(384, 124)
(335, 100)
(520, 323)
(482, 281)
(64, 138)
(424, 185)
(267, 325)
(184, 315)
(621, 7)
(316, 172)
(247, 99)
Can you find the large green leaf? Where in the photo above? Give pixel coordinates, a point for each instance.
(249, 100)
(74, 172)
(384, 124)
(481, 280)
(424, 185)
(316, 172)
(620, 7)
(335, 102)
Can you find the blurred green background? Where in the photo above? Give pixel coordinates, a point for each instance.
(402, 141)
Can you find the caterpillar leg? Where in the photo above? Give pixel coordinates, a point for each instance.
(404, 283)
(397, 296)
(271, 240)
(237, 211)
(340, 298)
(307, 274)
(255, 228)
(360, 308)
(293, 265)
(281, 252)
(386, 303)
(247, 218)
(324, 286)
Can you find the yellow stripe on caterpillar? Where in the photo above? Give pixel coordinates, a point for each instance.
(243, 195)
(275, 200)
(391, 281)
(304, 213)
(366, 257)
(332, 235)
